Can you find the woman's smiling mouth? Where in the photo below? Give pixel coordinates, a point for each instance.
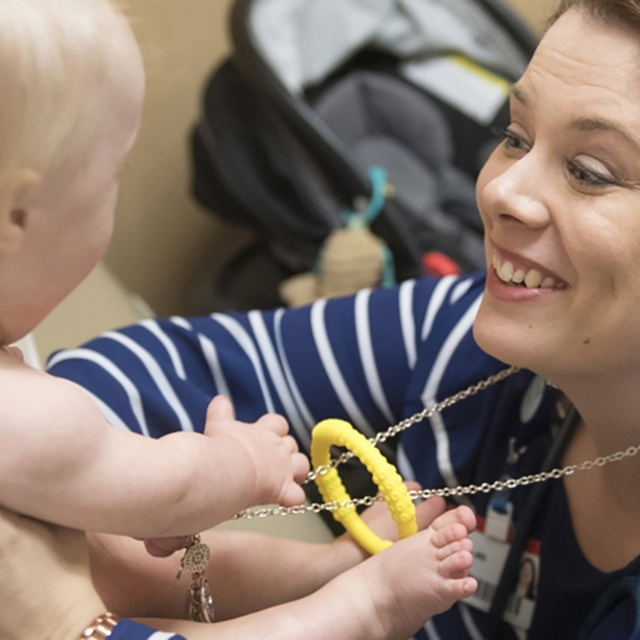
(519, 275)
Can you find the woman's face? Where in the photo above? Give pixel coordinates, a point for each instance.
(560, 201)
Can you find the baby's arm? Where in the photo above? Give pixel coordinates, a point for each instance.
(62, 462)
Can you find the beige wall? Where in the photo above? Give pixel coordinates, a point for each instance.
(163, 241)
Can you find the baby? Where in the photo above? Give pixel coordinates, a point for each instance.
(71, 89)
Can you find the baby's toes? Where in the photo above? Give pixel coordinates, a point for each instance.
(451, 533)
(456, 565)
(456, 589)
(462, 515)
(458, 545)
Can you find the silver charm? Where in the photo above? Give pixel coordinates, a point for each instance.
(195, 560)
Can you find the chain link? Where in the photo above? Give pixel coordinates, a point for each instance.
(468, 490)
(380, 437)
(383, 436)
(472, 489)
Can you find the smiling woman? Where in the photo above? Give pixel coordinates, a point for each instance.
(560, 200)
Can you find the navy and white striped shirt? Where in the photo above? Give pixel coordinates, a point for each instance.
(130, 630)
(372, 359)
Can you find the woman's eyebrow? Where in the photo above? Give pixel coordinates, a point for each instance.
(603, 124)
(518, 93)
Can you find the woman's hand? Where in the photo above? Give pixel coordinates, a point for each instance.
(45, 583)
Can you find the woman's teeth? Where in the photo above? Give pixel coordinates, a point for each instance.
(531, 279)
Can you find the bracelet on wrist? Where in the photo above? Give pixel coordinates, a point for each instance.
(101, 628)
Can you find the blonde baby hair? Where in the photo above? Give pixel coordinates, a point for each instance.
(55, 63)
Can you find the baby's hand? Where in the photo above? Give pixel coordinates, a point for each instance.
(273, 457)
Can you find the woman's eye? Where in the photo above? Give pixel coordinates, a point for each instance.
(589, 177)
(512, 140)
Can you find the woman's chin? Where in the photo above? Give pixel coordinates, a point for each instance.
(498, 337)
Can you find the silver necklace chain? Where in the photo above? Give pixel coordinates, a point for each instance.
(383, 436)
(468, 490)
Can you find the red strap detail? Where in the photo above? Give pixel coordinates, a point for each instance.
(435, 263)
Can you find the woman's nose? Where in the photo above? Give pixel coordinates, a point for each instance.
(517, 194)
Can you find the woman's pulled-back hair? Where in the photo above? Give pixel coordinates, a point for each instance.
(625, 13)
(54, 65)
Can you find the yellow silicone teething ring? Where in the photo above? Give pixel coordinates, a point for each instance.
(384, 474)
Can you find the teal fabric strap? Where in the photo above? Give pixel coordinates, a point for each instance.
(379, 191)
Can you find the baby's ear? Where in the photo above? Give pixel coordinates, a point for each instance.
(15, 198)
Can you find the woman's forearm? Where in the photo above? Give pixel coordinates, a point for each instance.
(247, 572)
(328, 613)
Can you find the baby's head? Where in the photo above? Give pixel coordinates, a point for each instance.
(71, 85)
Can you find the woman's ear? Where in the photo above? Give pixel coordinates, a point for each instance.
(15, 200)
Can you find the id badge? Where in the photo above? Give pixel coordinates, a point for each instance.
(489, 557)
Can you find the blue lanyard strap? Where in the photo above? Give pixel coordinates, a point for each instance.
(628, 587)
(511, 567)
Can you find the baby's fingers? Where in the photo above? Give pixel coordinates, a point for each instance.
(274, 422)
(220, 409)
(292, 495)
(164, 547)
(300, 465)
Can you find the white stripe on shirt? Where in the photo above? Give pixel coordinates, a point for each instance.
(213, 362)
(273, 367)
(407, 321)
(332, 370)
(116, 373)
(365, 347)
(430, 393)
(432, 632)
(157, 375)
(176, 360)
(448, 348)
(436, 301)
(210, 354)
(179, 321)
(404, 466)
(460, 289)
(443, 453)
(244, 340)
(305, 413)
(468, 622)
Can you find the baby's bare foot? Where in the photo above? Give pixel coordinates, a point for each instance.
(424, 574)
